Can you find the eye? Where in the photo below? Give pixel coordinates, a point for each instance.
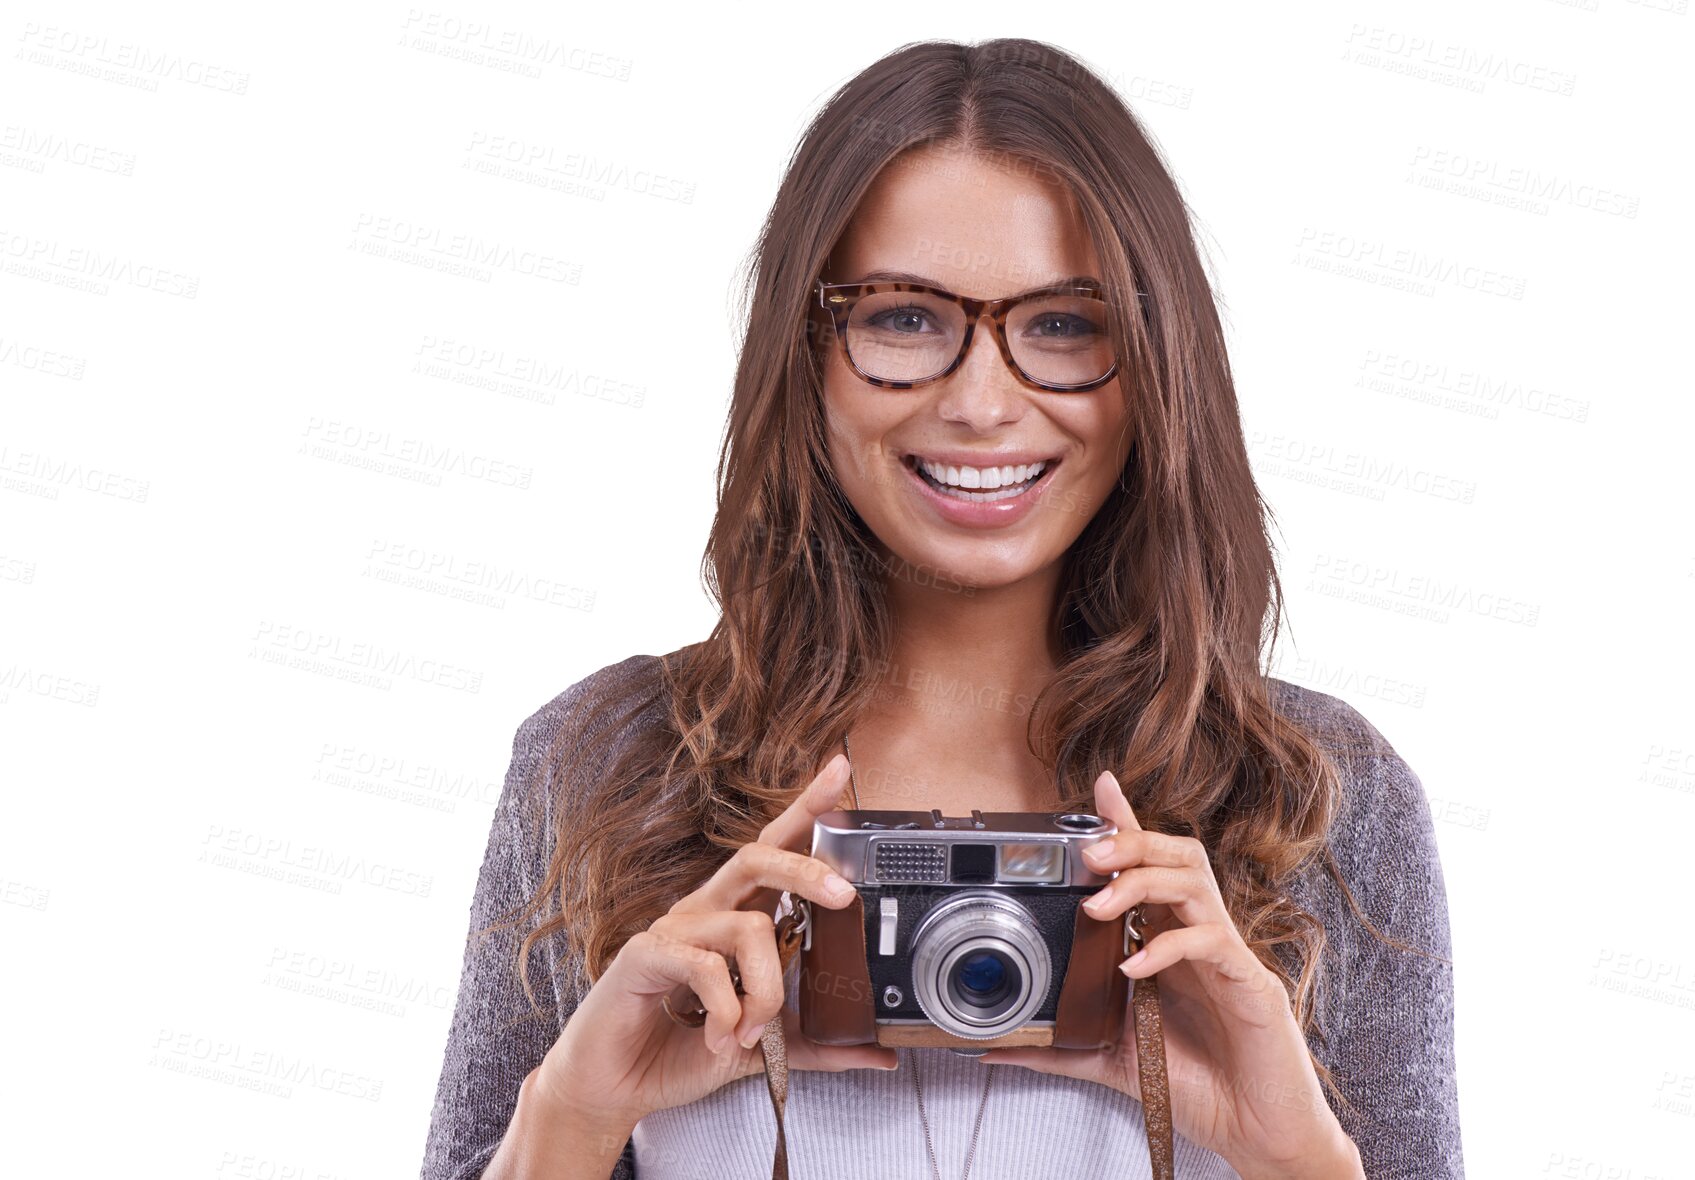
(900, 320)
(1060, 324)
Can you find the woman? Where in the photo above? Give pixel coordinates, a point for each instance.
(1022, 568)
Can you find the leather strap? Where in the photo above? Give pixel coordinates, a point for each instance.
(1150, 1054)
(1150, 1060)
(790, 927)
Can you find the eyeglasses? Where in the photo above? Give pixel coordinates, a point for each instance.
(903, 335)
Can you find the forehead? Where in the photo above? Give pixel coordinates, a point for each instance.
(980, 225)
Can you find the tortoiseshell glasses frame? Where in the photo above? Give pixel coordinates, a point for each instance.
(839, 298)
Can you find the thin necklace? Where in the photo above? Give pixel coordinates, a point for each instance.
(912, 1058)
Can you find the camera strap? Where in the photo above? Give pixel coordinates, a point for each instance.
(1150, 1053)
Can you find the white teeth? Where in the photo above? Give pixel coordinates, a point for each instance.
(986, 478)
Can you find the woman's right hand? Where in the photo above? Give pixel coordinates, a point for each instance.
(621, 1056)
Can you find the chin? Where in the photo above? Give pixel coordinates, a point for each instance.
(963, 564)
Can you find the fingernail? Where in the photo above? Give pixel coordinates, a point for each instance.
(837, 887)
(717, 1046)
(752, 1038)
(1129, 964)
(1093, 904)
(1093, 853)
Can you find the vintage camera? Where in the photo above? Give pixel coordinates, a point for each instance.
(966, 932)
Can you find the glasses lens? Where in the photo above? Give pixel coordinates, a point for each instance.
(904, 335)
(1057, 339)
(1061, 339)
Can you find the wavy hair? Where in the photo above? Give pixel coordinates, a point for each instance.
(1167, 599)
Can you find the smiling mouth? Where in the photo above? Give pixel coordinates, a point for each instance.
(980, 485)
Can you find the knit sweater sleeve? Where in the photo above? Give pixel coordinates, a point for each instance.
(495, 1037)
(1387, 1015)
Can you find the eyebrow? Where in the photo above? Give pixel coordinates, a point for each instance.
(905, 276)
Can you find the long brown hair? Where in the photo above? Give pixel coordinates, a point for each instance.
(1164, 604)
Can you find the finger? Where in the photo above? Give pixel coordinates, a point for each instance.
(1211, 943)
(793, 828)
(749, 938)
(754, 868)
(1118, 1067)
(1084, 1064)
(1192, 896)
(761, 977)
(1137, 847)
(805, 1054)
(1111, 802)
(657, 963)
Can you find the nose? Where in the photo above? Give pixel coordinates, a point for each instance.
(982, 393)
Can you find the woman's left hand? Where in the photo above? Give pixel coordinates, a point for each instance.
(1242, 1084)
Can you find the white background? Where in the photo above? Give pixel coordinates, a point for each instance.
(252, 627)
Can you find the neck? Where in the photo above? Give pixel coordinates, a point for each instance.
(977, 655)
(948, 726)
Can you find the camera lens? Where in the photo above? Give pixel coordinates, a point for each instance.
(982, 973)
(982, 979)
(980, 965)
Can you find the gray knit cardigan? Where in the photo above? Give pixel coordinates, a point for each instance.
(1385, 1017)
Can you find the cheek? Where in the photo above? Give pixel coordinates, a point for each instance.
(1102, 426)
(856, 426)
(847, 459)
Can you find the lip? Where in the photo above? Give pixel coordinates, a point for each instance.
(995, 515)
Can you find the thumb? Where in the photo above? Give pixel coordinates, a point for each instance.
(1083, 1064)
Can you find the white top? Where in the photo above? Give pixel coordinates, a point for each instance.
(863, 1124)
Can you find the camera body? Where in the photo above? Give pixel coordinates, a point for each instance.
(965, 932)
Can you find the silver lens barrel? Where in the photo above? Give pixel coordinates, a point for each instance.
(980, 967)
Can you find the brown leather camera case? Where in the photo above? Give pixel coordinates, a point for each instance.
(837, 1006)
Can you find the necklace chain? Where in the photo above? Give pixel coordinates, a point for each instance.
(912, 1058)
